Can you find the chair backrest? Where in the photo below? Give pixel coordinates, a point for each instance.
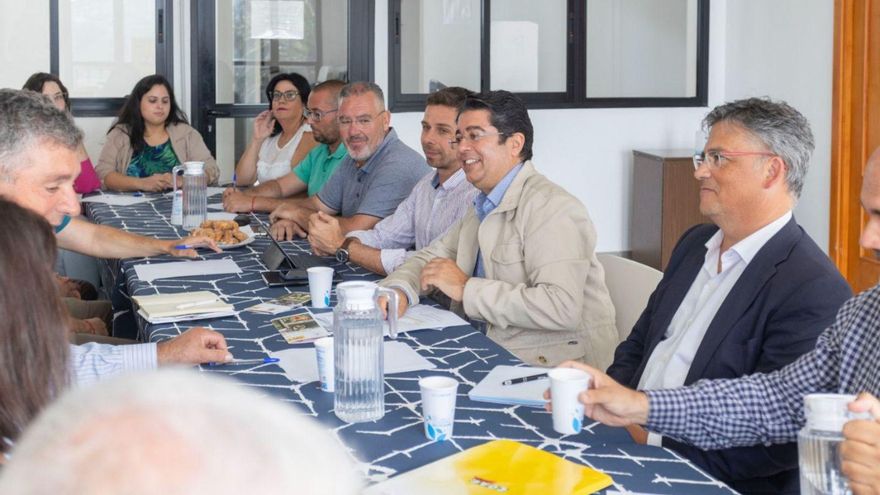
(630, 284)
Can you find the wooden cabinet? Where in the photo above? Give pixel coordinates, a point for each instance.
(666, 202)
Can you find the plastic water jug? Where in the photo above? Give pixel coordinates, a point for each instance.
(193, 194)
(358, 350)
(819, 442)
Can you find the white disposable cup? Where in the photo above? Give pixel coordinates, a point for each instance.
(326, 366)
(568, 411)
(438, 406)
(320, 282)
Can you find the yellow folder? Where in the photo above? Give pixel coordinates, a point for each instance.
(499, 466)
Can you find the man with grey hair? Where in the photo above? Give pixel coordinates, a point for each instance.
(379, 172)
(750, 293)
(38, 164)
(176, 432)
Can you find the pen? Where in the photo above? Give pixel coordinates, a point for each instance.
(197, 303)
(138, 194)
(524, 379)
(234, 181)
(266, 360)
(185, 246)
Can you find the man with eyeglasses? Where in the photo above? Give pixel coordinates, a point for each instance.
(521, 263)
(749, 293)
(439, 200)
(313, 171)
(378, 173)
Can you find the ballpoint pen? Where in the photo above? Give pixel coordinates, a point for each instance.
(266, 360)
(524, 379)
(197, 303)
(185, 246)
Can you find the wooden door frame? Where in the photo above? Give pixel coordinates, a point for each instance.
(848, 132)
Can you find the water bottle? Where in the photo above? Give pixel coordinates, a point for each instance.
(358, 350)
(819, 441)
(193, 194)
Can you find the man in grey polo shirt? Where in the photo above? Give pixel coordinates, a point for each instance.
(379, 172)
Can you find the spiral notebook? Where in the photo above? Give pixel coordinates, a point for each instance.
(490, 389)
(499, 466)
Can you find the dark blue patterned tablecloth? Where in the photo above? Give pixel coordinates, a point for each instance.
(396, 443)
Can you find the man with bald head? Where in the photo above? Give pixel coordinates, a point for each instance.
(767, 408)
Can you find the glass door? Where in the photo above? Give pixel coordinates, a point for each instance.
(240, 45)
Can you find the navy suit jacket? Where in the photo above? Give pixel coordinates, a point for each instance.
(785, 297)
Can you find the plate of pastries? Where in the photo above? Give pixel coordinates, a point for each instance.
(226, 233)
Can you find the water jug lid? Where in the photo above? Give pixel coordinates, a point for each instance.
(357, 293)
(193, 167)
(828, 412)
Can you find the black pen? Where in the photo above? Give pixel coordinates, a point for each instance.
(524, 379)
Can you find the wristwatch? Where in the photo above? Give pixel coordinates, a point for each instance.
(342, 253)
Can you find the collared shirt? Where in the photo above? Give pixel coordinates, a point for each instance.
(64, 222)
(92, 362)
(671, 359)
(486, 203)
(767, 408)
(318, 166)
(377, 187)
(426, 214)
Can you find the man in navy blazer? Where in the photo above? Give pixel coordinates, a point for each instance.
(748, 294)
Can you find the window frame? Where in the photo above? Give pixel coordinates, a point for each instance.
(575, 95)
(109, 107)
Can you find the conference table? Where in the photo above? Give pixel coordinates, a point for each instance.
(396, 443)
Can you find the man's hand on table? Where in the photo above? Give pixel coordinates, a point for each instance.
(607, 401)
(193, 242)
(237, 201)
(860, 450)
(325, 234)
(286, 230)
(197, 345)
(445, 275)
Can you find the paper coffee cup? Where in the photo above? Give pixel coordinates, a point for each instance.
(568, 411)
(326, 366)
(320, 282)
(438, 406)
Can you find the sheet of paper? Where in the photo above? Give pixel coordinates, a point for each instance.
(300, 364)
(155, 271)
(418, 317)
(215, 206)
(215, 190)
(221, 215)
(530, 393)
(117, 199)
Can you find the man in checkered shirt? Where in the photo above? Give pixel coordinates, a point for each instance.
(768, 408)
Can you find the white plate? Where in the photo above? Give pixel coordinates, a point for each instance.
(247, 230)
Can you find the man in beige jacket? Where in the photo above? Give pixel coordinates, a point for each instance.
(521, 263)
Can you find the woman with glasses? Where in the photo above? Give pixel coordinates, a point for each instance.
(281, 137)
(149, 138)
(51, 86)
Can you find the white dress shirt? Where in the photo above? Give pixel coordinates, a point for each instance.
(426, 214)
(92, 362)
(671, 359)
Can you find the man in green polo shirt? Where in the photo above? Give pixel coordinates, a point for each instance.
(311, 174)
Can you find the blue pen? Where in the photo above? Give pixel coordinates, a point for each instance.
(234, 181)
(184, 246)
(266, 360)
(138, 194)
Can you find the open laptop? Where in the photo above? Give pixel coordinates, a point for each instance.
(274, 256)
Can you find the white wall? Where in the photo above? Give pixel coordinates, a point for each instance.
(784, 49)
(590, 150)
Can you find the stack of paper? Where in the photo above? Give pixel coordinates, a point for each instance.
(148, 272)
(183, 306)
(418, 317)
(300, 364)
(530, 393)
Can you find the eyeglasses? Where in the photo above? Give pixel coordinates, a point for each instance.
(362, 121)
(317, 115)
(287, 95)
(472, 136)
(716, 159)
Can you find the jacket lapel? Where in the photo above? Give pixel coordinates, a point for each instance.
(742, 295)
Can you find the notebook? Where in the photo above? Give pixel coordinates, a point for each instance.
(182, 306)
(499, 466)
(530, 394)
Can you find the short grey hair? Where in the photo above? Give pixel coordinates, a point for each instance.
(176, 431)
(784, 130)
(28, 119)
(364, 87)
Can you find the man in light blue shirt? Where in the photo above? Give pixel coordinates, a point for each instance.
(38, 165)
(436, 202)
